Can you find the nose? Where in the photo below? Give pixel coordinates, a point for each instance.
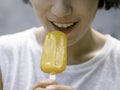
(61, 8)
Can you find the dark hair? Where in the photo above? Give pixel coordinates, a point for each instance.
(26, 1)
(106, 4)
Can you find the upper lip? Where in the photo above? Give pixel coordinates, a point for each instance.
(63, 21)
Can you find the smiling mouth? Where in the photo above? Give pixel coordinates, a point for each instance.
(66, 27)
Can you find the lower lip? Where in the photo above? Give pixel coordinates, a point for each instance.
(67, 30)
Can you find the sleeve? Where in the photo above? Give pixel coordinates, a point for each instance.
(1, 81)
(1, 85)
(1, 62)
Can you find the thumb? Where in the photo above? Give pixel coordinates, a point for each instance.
(44, 83)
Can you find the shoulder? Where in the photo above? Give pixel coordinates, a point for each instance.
(114, 49)
(111, 55)
(115, 43)
(11, 42)
(111, 49)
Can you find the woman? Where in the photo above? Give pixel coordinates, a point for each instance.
(93, 58)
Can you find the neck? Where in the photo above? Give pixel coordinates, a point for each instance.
(86, 48)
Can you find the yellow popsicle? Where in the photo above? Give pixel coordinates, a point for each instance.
(54, 53)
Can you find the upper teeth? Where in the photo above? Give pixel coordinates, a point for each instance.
(63, 25)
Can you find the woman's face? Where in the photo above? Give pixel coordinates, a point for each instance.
(73, 17)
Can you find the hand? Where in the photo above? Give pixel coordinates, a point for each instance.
(50, 85)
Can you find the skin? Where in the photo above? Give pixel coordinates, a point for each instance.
(50, 85)
(68, 11)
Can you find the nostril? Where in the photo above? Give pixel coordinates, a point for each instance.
(61, 10)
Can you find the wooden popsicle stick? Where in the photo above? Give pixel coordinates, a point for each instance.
(52, 76)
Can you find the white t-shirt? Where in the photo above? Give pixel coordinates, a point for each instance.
(20, 65)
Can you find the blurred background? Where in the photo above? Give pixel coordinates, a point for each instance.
(15, 16)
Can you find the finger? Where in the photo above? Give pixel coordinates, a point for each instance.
(59, 87)
(43, 83)
(39, 89)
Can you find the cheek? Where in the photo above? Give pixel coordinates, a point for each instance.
(41, 7)
(85, 7)
(87, 15)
